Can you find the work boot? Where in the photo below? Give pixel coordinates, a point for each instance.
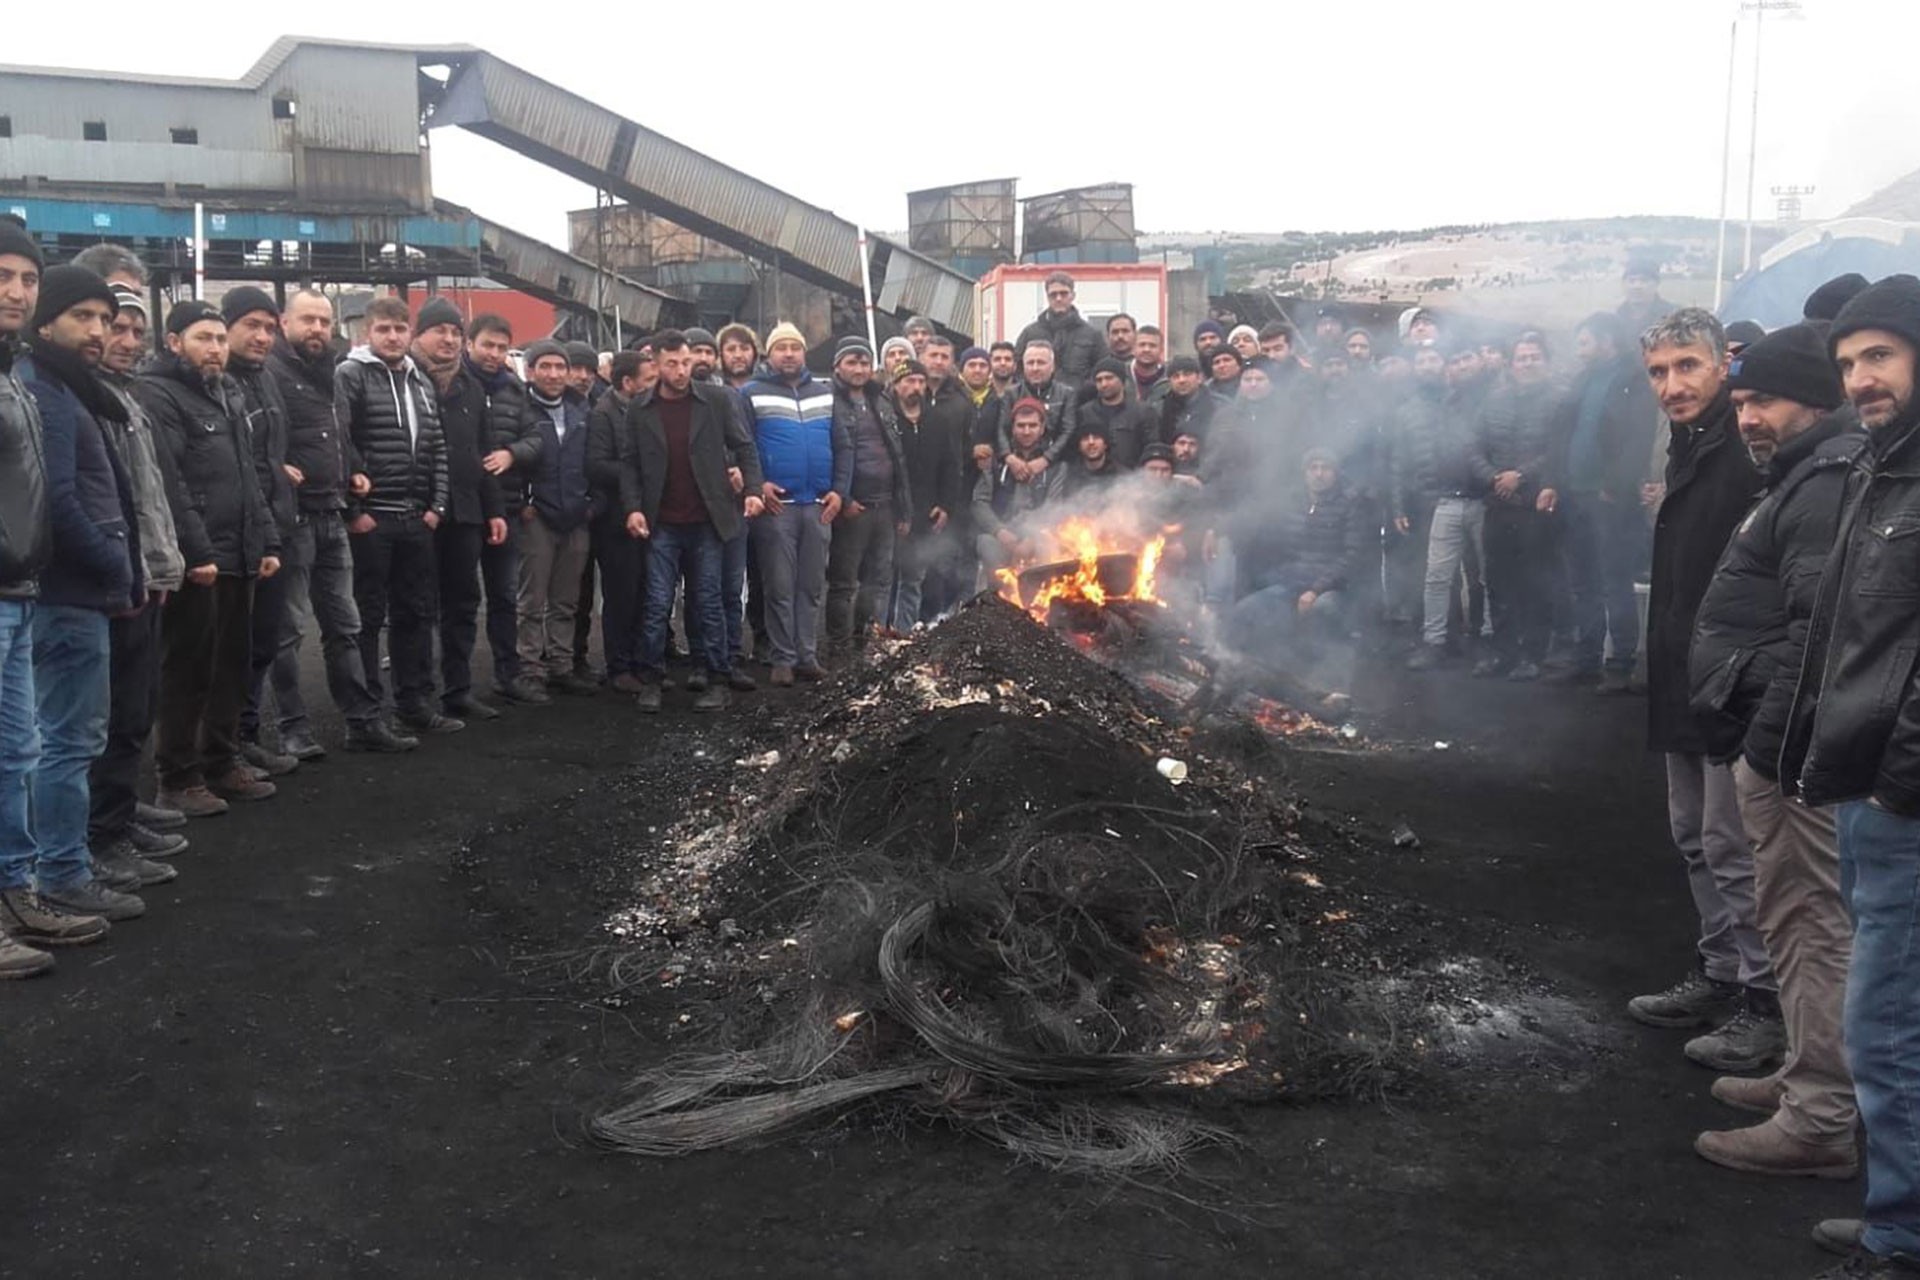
(158, 818)
(18, 960)
(1754, 1039)
(716, 698)
(1767, 1148)
(740, 682)
(195, 802)
(273, 764)
(123, 870)
(467, 707)
(1524, 670)
(1694, 1001)
(1839, 1235)
(625, 682)
(1758, 1094)
(1863, 1265)
(531, 689)
(301, 746)
(156, 844)
(27, 917)
(574, 683)
(426, 721)
(377, 737)
(810, 673)
(584, 670)
(698, 681)
(781, 678)
(91, 898)
(239, 784)
(648, 699)
(1426, 657)
(122, 879)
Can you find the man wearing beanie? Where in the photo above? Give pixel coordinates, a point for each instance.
(553, 531)
(1710, 483)
(931, 446)
(229, 541)
(706, 355)
(879, 502)
(1745, 662)
(1853, 740)
(1824, 303)
(96, 571)
(253, 322)
(1207, 335)
(1128, 424)
(917, 330)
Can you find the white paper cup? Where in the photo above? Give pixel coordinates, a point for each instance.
(1174, 771)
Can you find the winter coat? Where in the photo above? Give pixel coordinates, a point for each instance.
(1001, 502)
(155, 489)
(1752, 624)
(610, 447)
(1077, 345)
(1417, 447)
(96, 534)
(1521, 427)
(559, 489)
(1626, 428)
(1710, 486)
(803, 448)
(1130, 427)
(26, 524)
(1063, 418)
(1308, 543)
(716, 441)
(935, 454)
(1180, 414)
(222, 517)
(392, 419)
(316, 443)
(1854, 727)
(473, 494)
(267, 431)
(844, 414)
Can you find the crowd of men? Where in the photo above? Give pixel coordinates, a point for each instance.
(176, 521)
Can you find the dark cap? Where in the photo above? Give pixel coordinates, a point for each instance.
(191, 312)
(1112, 365)
(1791, 363)
(540, 350)
(244, 301)
(911, 366)
(1825, 302)
(17, 241)
(1156, 453)
(68, 286)
(581, 356)
(1892, 304)
(436, 311)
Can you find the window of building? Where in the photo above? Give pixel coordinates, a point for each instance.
(6, 126)
(186, 137)
(94, 131)
(284, 109)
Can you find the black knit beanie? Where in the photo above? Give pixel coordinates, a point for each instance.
(191, 312)
(244, 301)
(69, 286)
(1112, 365)
(15, 241)
(1791, 363)
(1825, 302)
(1892, 304)
(437, 311)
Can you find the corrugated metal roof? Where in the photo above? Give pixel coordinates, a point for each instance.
(255, 76)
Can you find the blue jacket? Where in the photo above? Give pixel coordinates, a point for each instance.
(96, 553)
(802, 448)
(560, 492)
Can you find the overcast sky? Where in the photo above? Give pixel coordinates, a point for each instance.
(1253, 118)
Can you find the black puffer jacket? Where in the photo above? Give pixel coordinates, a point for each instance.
(267, 431)
(1753, 621)
(1307, 542)
(26, 526)
(1710, 486)
(316, 444)
(1077, 345)
(223, 519)
(473, 496)
(1182, 414)
(392, 419)
(1854, 727)
(1130, 427)
(1063, 418)
(933, 450)
(1521, 428)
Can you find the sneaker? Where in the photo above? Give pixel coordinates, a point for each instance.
(378, 737)
(1524, 670)
(531, 689)
(740, 682)
(158, 818)
(1758, 1094)
(1839, 1235)
(468, 707)
(1754, 1039)
(504, 690)
(1426, 658)
(91, 898)
(242, 768)
(239, 784)
(1767, 1148)
(716, 698)
(273, 764)
(625, 682)
(114, 873)
(18, 960)
(698, 681)
(123, 870)
(781, 677)
(648, 699)
(573, 682)
(301, 746)
(810, 673)
(27, 917)
(195, 802)
(156, 844)
(1694, 1001)
(425, 722)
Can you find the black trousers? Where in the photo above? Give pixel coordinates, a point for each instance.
(1522, 556)
(393, 585)
(583, 612)
(270, 606)
(135, 694)
(206, 636)
(622, 561)
(457, 570)
(500, 574)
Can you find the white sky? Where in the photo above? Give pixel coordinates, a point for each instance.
(1360, 114)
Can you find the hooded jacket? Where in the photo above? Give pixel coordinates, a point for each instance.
(1077, 345)
(155, 488)
(316, 444)
(221, 518)
(26, 526)
(1752, 625)
(96, 536)
(392, 420)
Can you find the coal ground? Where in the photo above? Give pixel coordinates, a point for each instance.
(356, 1039)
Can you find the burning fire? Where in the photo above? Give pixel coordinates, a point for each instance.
(1082, 543)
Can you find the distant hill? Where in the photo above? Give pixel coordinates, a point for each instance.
(1898, 201)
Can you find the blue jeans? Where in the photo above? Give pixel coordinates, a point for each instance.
(1880, 879)
(1312, 646)
(696, 551)
(72, 656)
(19, 742)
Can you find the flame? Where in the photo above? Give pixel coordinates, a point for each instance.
(1080, 541)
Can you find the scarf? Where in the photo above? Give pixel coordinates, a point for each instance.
(440, 372)
(78, 377)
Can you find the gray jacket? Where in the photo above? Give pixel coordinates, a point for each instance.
(153, 483)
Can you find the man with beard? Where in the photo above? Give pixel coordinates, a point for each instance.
(1128, 424)
(1063, 418)
(950, 411)
(515, 454)
(1004, 498)
(1147, 372)
(1456, 539)
(1208, 337)
(1075, 344)
(556, 514)
(918, 331)
(319, 558)
(1121, 332)
(739, 355)
(1329, 333)
(706, 354)
(1186, 407)
(879, 504)
(227, 538)
(1093, 469)
(1359, 348)
(113, 827)
(96, 572)
(1710, 483)
(1224, 366)
(1517, 446)
(253, 321)
(476, 511)
(612, 447)
(392, 420)
(1744, 664)
(1851, 741)
(932, 450)
(1611, 434)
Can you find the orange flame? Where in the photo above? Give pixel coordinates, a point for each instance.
(1080, 541)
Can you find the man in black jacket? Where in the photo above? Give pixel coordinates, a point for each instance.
(392, 420)
(1076, 345)
(515, 451)
(678, 494)
(553, 529)
(1710, 483)
(1745, 660)
(611, 446)
(879, 504)
(1038, 381)
(1129, 424)
(253, 321)
(1518, 448)
(228, 539)
(476, 516)
(950, 415)
(319, 559)
(1853, 739)
(931, 448)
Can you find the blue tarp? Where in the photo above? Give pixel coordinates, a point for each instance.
(1774, 294)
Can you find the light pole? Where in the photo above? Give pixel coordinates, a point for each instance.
(1726, 165)
(1759, 9)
